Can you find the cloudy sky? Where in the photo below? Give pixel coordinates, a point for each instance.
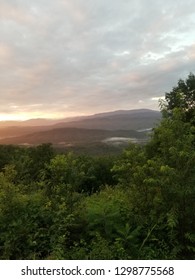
(61, 58)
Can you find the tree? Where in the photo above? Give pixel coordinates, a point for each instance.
(181, 97)
(173, 143)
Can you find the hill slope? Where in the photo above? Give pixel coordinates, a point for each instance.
(123, 119)
(73, 136)
(97, 128)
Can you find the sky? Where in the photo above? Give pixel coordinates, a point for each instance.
(68, 58)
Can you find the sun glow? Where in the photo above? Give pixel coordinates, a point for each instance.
(37, 115)
(25, 116)
(12, 117)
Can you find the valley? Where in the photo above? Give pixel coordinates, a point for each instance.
(115, 129)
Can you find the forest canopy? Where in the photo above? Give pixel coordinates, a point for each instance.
(136, 205)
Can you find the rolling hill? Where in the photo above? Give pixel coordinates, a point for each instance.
(116, 127)
(72, 136)
(122, 119)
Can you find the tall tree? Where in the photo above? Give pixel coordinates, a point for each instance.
(181, 97)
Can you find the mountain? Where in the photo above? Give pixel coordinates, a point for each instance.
(110, 127)
(73, 136)
(122, 119)
(14, 131)
(131, 115)
(36, 122)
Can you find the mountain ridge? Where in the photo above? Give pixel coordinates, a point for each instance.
(133, 124)
(70, 135)
(47, 121)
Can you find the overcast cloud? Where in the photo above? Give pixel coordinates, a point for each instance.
(76, 57)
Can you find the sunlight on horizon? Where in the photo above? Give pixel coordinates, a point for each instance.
(11, 118)
(24, 117)
(28, 116)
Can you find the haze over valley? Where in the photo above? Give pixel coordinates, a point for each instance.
(110, 128)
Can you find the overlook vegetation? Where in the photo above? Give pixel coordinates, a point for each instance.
(136, 205)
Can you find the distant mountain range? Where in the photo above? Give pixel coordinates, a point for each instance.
(119, 126)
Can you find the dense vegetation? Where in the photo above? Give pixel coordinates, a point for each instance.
(137, 205)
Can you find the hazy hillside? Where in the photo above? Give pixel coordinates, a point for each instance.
(14, 131)
(36, 122)
(98, 128)
(122, 119)
(137, 116)
(73, 136)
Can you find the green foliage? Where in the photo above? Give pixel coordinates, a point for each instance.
(106, 211)
(137, 205)
(181, 97)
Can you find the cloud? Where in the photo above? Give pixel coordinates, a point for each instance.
(87, 56)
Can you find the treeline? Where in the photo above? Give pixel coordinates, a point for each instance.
(137, 205)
